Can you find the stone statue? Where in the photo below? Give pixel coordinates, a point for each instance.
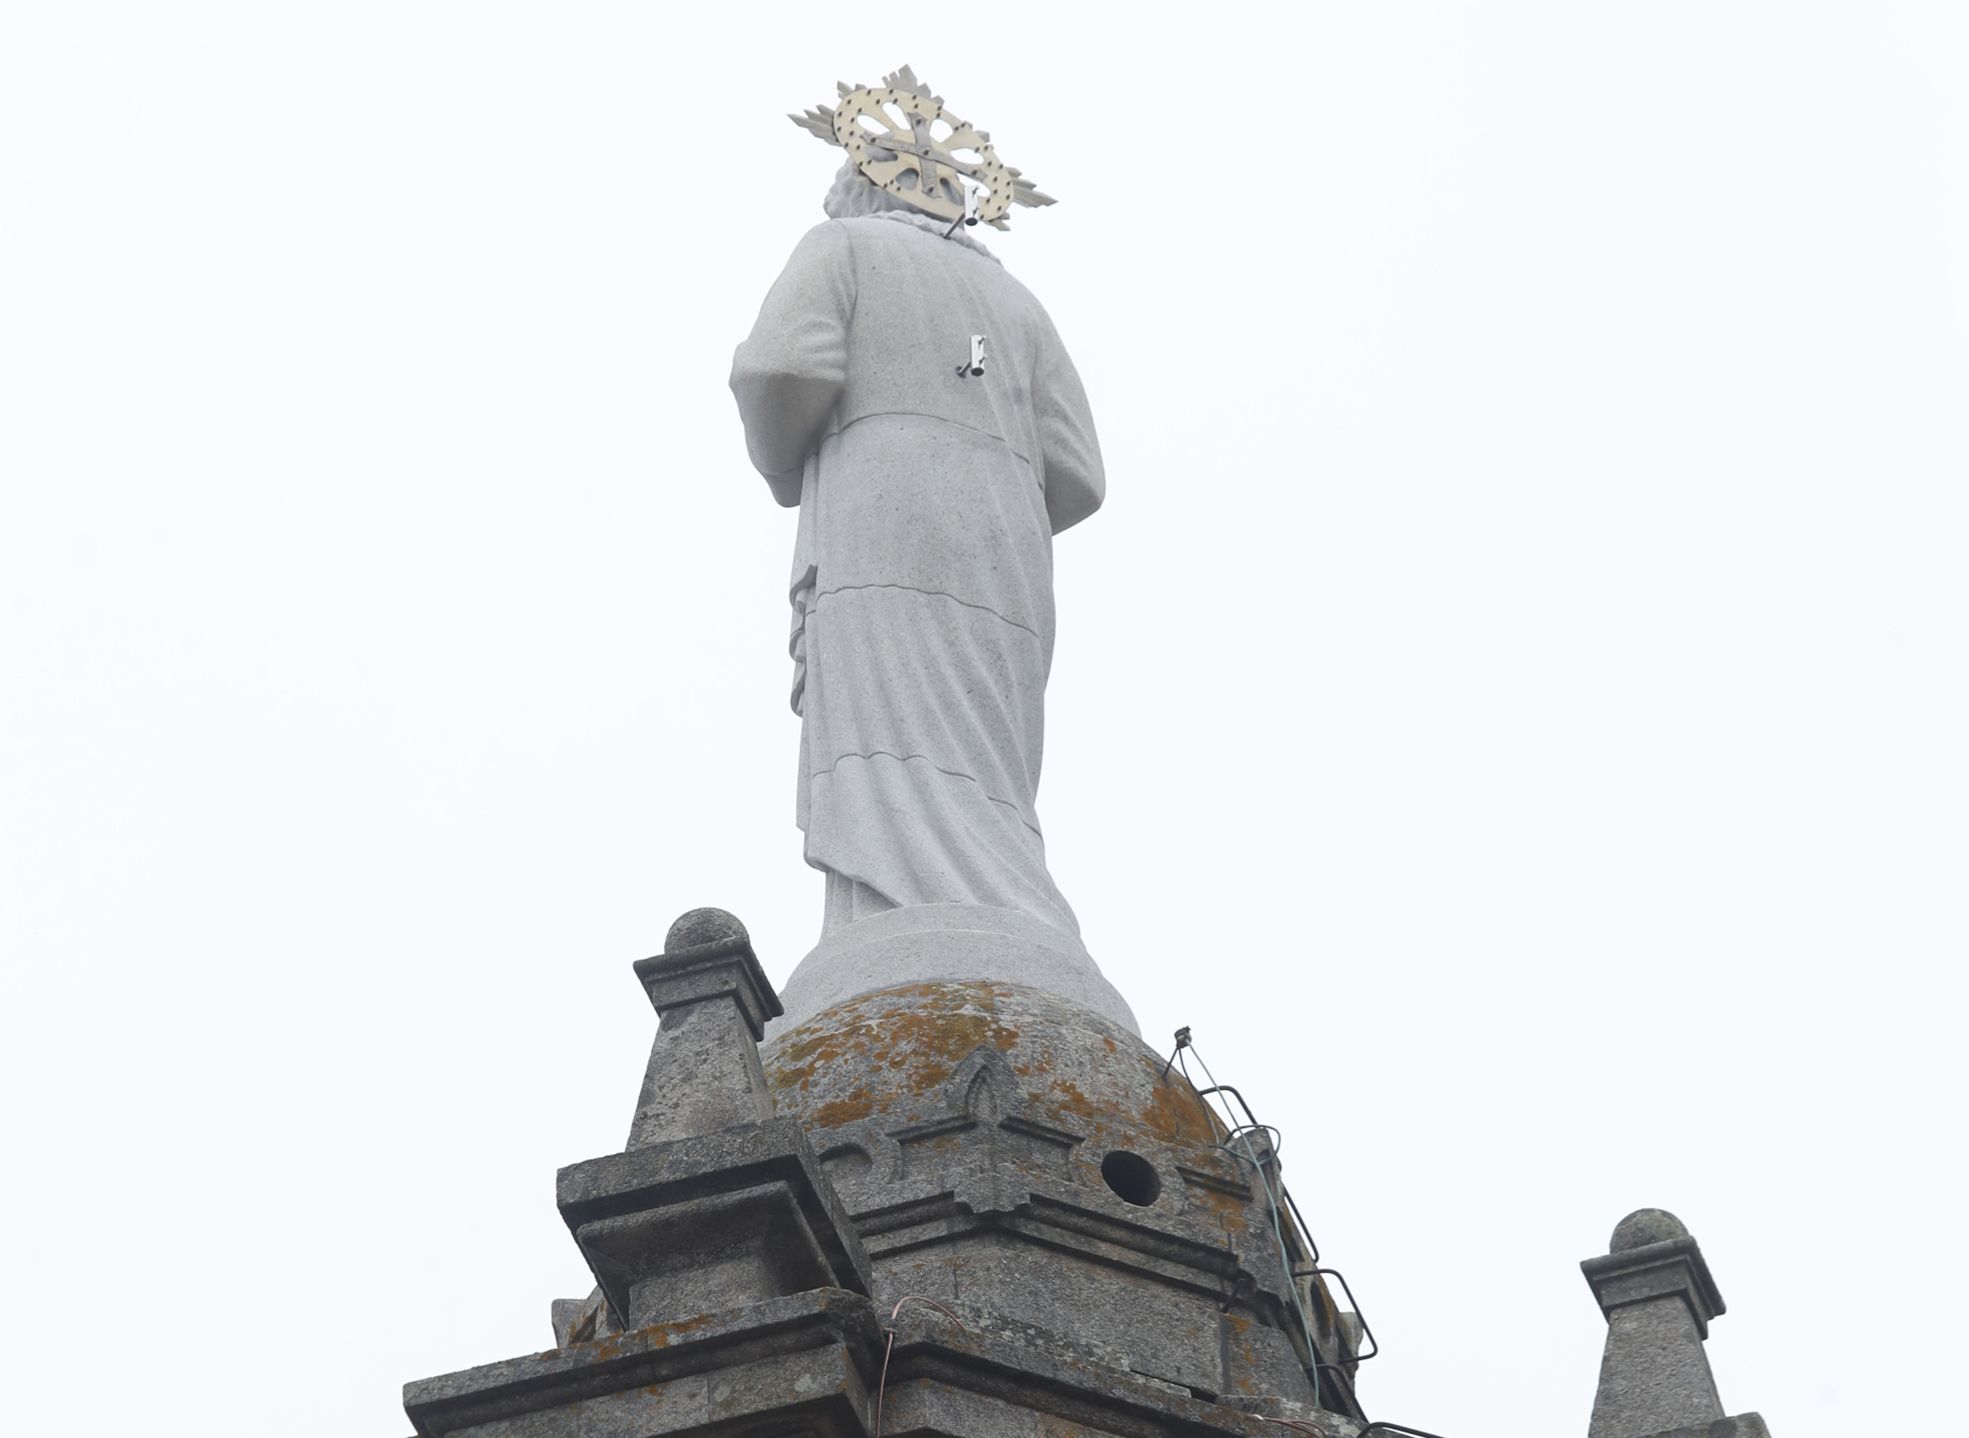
(913, 400)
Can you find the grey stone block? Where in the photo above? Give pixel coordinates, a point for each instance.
(946, 1380)
(668, 1262)
(1668, 1268)
(1743, 1425)
(812, 1364)
(578, 1320)
(1654, 1375)
(705, 1223)
(799, 1359)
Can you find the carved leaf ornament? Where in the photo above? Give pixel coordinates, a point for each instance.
(902, 138)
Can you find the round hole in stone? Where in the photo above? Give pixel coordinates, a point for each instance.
(1132, 1177)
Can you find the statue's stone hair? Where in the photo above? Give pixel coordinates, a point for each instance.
(853, 195)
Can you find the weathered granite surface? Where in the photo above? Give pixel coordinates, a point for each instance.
(712, 1001)
(812, 1364)
(966, 1126)
(699, 1224)
(947, 943)
(1658, 1298)
(1743, 1425)
(799, 1359)
(940, 1165)
(922, 579)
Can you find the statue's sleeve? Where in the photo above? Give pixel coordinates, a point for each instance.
(791, 369)
(1070, 452)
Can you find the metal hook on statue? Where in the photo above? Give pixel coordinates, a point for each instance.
(970, 215)
(974, 366)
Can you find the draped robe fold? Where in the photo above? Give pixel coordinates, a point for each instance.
(922, 587)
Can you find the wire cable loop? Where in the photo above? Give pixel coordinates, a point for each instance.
(1242, 1133)
(889, 1347)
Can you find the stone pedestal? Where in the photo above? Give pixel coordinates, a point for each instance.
(966, 1208)
(948, 944)
(976, 1209)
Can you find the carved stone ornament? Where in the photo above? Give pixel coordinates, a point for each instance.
(903, 139)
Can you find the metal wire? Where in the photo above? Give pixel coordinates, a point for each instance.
(1182, 1042)
(1251, 1119)
(1243, 1135)
(1251, 1124)
(882, 1383)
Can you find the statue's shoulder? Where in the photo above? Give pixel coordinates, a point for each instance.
(902, 230)
(873, 230)
(825, 237)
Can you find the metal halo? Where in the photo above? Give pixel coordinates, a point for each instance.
(912, 164)
(886, 154)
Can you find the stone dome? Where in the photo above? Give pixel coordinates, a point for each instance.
(1644, 1226)
(893, 1055)
(702, 927)
(1017, 1156)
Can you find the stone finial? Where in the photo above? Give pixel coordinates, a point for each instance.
(1658, 1298)
(701, 928)
(712, 1002)
(714, 1202)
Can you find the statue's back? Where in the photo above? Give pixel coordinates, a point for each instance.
(915, 401)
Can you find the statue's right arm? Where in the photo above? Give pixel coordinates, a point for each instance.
(1070, 453)
(790, 371)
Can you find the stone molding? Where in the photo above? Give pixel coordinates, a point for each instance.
(1671, 1268)
(810, 1364)
(1742, 1425)
(722, 968)
(745, 1213)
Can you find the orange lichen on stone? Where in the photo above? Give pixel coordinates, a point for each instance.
(1227, 1207)
(1175, 1112)
(1243, 1353)
(1067, 1099)
(921, 1032)
(857, 1105)
(1329, 1311)
(660, 1335)
(897, 1052)
(655, 1335)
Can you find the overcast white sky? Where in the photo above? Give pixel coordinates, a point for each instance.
(1511, 706)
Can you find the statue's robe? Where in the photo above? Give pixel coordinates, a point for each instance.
(923, 572)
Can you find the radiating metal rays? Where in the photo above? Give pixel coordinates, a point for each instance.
(902, 138)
